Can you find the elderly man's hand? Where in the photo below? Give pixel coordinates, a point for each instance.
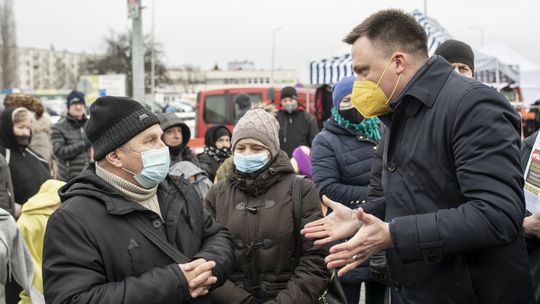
(340, 224)
(199, 276)
(372, 237)
(531, 224)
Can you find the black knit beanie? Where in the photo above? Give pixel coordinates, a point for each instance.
(455, 51)
(114, 121)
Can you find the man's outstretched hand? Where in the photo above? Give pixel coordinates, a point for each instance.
(372, 237)
(340, 224)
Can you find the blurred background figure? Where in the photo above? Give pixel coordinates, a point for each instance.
(71, 148)
(242, 103)
(41, 128)
(7, 200)
(16, 265)
(459, 54)
(176, 136)
(217, 140)
(301, 161)
(32, 223)
(28, 170)
(297, 128)
(195, 175)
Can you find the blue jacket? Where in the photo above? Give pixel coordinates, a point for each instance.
(341, 163)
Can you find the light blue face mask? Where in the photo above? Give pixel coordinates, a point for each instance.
(155, 167)
(250, 163)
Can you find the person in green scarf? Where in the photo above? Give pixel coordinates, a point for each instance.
(341, 159)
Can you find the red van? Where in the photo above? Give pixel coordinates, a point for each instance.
(218, 107)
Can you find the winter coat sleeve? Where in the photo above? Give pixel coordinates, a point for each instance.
(73, 271)
(310, 275)
(216, 246)
(32, 235)
(327, 175)
(485, 140)
(60, 149)
(229, 290)
(22, 265)
(7, 200)
(208, 164)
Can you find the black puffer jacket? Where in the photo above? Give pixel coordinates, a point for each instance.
(212, 157)
(71, 149)
(92, 254)
(28, 170)
(257, 208)
(295, 129)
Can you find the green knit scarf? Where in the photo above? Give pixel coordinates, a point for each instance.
(368, 127)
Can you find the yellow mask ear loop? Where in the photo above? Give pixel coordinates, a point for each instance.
(394, 90)
(384, 72)
(380, 79)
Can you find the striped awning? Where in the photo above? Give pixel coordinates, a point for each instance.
(436, 34)
(332, 70)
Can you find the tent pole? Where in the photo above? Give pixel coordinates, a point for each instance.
(497, 78)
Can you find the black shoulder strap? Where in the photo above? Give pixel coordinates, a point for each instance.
(137, 222)
(297, 215)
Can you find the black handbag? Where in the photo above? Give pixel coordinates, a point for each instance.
(333, 293)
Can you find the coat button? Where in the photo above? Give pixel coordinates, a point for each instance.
(392, 166)
(156, 223)
(397, 286)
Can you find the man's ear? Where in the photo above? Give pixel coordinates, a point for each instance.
(401, 60)
(113, 159)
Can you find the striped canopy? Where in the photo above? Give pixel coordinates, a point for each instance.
(487, 67)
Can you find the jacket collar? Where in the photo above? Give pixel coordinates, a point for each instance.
(90, 185)
(75, 122)
(426, 83)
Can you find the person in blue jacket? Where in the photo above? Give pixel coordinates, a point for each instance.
(341, 165)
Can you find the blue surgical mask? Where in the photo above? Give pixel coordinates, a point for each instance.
(155, 167)
(250, 163)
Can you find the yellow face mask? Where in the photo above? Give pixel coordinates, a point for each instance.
(369, 99)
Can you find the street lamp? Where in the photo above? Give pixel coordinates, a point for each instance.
(152, 55)
(274, 31)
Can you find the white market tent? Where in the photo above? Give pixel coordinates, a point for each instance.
(529, 71)
(488, 69)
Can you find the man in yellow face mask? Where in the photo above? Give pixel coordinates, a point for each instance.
(450, 219)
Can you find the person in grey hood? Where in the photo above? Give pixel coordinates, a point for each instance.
(176, 135)
(15, 261)
(193, 174)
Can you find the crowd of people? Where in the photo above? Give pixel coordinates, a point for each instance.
(413, 188)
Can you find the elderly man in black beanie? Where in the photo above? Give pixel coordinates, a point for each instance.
(459, 54)
(126, 231)
(297, 128)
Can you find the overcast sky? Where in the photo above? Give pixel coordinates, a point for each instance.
(204, 32)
